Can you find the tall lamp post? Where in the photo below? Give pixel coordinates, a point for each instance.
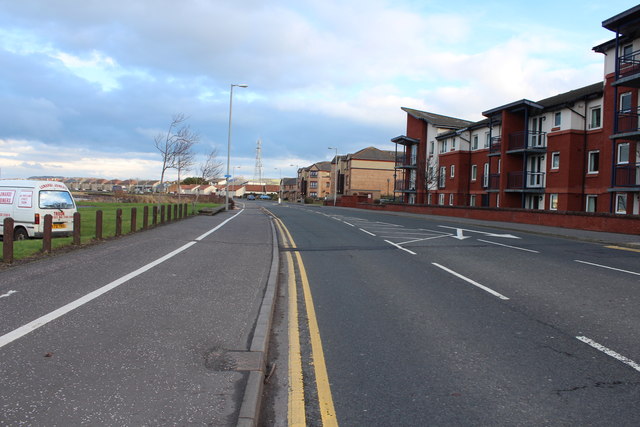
(335, 184)
(279, 186)
(227, 176)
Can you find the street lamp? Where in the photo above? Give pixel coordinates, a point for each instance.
(227, 176)
(335, 184)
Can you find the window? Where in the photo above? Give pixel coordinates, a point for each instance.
(474, 142)
(432, 149)
(313, 184)
(623, 153)
(442, 177)
(451, 199)
(472, 200)
(485, 176)
(453, 171)
(621, 203)
(594, 162)
(429, 198)
(328, 183)
(625, 102)
(313, 174)
(443, 146)
(553, 202)
(557, 118)
(453, 144)
(592, 203)
(441, 199)
(487, 139)
(313, 194)
(627, 53)
(555, 160)
(595, 117)
(474, 172)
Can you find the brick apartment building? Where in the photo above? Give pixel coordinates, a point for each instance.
(576, 151)
(367, 172)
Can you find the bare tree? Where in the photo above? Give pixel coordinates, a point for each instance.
(175, 146)
(210, 168)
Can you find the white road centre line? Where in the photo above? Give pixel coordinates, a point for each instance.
(607, 267)
(473, 282)
(349, 224)
(43, 320)
(365, 231)
(509, 246)
(400, 247)
(8, 294)
(610, 352)
(421, 240)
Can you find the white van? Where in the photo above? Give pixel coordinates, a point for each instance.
(27, 202)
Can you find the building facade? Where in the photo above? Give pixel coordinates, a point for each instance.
(576, 151)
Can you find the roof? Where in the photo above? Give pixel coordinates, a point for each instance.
(289, 181)
(323, 166)
(595, 89)
(627, 22)
(437, 119)
(373, 153)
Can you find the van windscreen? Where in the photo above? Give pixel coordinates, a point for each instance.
(55, 200)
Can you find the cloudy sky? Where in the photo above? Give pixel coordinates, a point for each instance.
(86, 85)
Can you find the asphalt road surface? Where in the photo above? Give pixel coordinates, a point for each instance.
(429, 322)
(135, 331)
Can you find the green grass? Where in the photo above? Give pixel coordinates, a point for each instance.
(26, 248)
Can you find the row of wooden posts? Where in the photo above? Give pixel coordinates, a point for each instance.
(179, 211)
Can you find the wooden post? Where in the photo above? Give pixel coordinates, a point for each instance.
(76, 228)
(134, 219)
(180, 211)
(162, 214)
(175, 211)
(169, 213)
(145, 217)
(99, 225)
(7, 241)
(118, 222)
(46, 234)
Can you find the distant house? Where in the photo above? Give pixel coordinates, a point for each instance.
(315, 180)
(368, 172)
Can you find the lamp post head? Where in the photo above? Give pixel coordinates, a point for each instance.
(241, 85)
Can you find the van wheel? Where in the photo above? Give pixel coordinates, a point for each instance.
(20, 234)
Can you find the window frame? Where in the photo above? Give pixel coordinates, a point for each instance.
(557, 119)
(474, 173)
(590, 163)
(621, 197)
(441, 199)
(452, 173)
(619, 152)
(553, 201)
(451, 199)
(472, 200)
(555, 160)
(592, 110)
(625, 96)
(588, 198)
(474, 142)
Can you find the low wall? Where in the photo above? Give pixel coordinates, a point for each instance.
(626, 224)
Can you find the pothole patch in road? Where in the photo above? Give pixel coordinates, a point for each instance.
(231, 360)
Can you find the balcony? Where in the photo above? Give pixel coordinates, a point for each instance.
(404, 187)
(491, 182)
(627, 175)
(406, 162)
(627, 125)
(526, 181)
(531, 141)
(495, 146)
(628, 70)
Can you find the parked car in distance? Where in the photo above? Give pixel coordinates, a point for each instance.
(251, 197)
(265, 197)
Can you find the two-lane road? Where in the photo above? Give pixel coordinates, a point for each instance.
(427, 322)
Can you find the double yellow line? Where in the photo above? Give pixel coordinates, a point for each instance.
(296, 412)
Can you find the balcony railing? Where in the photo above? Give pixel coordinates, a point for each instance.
(627, 175)
(530, 140)
(521, 180)
(629, 64)
(628, 121)
(495, 145)
(401, 185)
(491, 181)
(403, 161)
